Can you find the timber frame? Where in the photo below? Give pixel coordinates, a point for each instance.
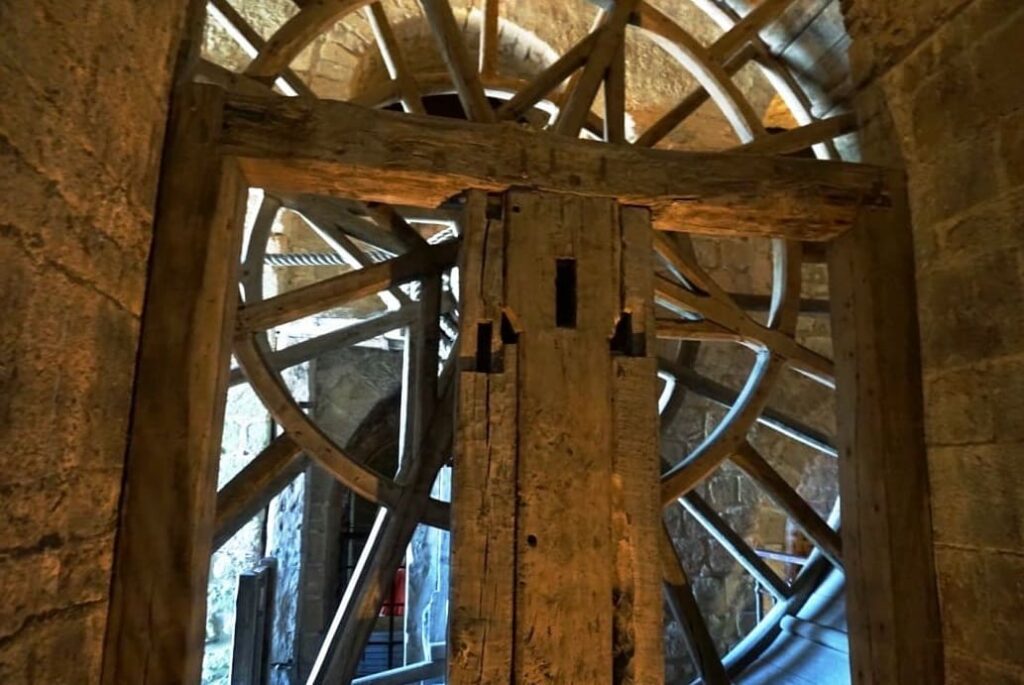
(222, 143)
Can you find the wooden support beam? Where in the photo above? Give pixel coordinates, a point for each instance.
(746, 29)
(456, 57)
(390, 52)
(251, 490)
(771, 418)
(683, 605)
(892, 605)
(558, 389)
(750, 461)
(156, 624)
(347, 287)
(549, 79)
(609, 44)
(489, 37)
(306, 350)
(359, 608)
(688, 105)
(737, 547)
(332, 147)
(803, 137)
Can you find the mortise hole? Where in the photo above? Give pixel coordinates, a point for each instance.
(509, 336)
(565, 293)
(484, 333)
(625, 341)
(531, 540)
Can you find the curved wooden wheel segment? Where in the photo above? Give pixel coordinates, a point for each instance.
(696, 309)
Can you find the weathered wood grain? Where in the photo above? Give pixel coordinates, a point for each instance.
(338, 148)
(157, 616)
(892, 606)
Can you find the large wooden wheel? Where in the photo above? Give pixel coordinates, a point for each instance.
(694, 307)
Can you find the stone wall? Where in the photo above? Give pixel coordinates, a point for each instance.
(939, 91)
(82, 112)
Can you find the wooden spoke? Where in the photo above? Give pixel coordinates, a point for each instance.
(548, 80)
(253, 37)
(770, 418)
(254, 486)
(256, 250)
(456, 57)
(716, 448)
(346, 287)
(384, 552)
(397, 68)
(801, 138)
(683, 605)
(285, 145)
(747, 29)
(689, 105)
(489, 37)
(733, 429)
(297, 33)
(306, 350)
(751, 462)
(607, 46)
(419, 382)
(345, 216)
(388, 217)
(268, 386)
(710, 73)
(615, 97)
(737, 547)
(731, 319)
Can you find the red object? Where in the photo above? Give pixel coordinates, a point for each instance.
(394, 605)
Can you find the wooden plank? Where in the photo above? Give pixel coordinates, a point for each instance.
(565, 464)
(156, 626)
(481, 623)
(347, 287)
(751, 462)
(639, 627)
(892, 606)
(252, 607)
(251, 490)
(483, 482)
(683, 605)
(456, 57)
(390, 52)
(289, 146)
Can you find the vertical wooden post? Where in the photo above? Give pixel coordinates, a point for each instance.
(555, 571)
(892, 605)
(156, 626)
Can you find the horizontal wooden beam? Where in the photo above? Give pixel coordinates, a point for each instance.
(336, 148)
